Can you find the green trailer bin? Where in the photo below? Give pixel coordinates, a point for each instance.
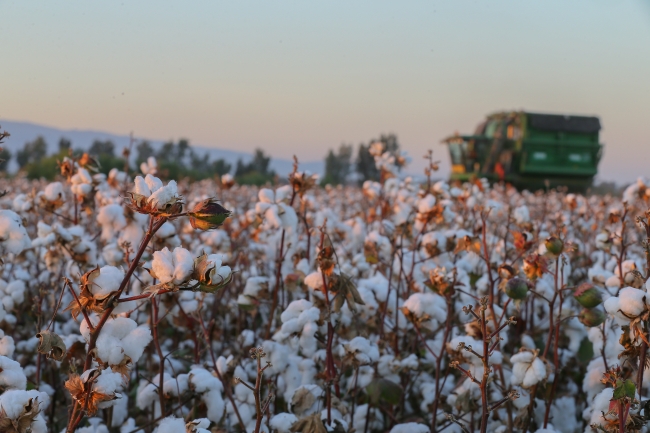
(529, 150)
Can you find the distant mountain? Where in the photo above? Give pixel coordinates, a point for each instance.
(22, 132)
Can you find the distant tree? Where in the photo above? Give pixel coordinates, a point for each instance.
(144, 151)
(100, 148)
(221, 166)
(5, 156)
(366, 168)
(64, 145)
(338, 166)
(174, 152)
(257, 171)
(33, 151)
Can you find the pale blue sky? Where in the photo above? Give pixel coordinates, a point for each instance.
(298, 77)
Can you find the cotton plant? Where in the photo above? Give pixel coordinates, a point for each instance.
(194, 306)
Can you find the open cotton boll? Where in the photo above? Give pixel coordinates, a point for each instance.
(522, 214)
(7, 346)
(427, 307)
(153, 183)
(111, 218)
(282, 422)
(11, 374)
(527, 369)
(631, 301)
(171, 424)
(13, 402)
(361, 350)
(108, 383)
(410, 427)
(172, 267)
(164, 195)
(13, 236)
(108, 281)
(426, 204)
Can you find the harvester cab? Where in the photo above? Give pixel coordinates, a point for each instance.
(529, 150)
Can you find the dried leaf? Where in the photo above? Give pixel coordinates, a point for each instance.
(51, 345)
(310, 424)
(302, 400)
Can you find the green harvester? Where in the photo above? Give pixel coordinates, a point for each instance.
(529, 150)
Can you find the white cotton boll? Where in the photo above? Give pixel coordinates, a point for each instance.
(120, 410)
(183, 265)
(361, 350)
(13, 236)
(202, 380)
(111, 218)
(314, 281)
(176, 386)
(215, 404)
(53, 191)
(426, 204)
(22, 203)
(12, 405)
(108, 383)
(153, 183)
(522, 214)
(282, 422)
(426, 306)
(136, 341)
(410, 427)
(147, 395)
(600, 405)
(164, 195)
(7, 345)
(631, 301)
(162, 265)
(171, 424)
(141, 187)
(16, 289)
(11, 374)
(113, 254)
(266, 195)
(108, 281)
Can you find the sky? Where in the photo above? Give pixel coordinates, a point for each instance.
(300, 77)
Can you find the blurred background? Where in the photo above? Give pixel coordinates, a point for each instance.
(301, 78)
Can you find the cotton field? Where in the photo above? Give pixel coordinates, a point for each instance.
(132, 303)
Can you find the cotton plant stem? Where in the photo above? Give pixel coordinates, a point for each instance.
(154, 226)
(226, 386)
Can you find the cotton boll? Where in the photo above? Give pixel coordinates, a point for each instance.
(163, 265)
(631, 301)
(13, 236)
(107, 282)
(11, 374)
(7, 346)
(111, 218)
(136, 341)
(282, 422)
(410, 427)
(171, 425)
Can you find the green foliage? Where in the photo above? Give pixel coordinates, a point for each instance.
(178, 160)
(384, 390)
(338, 166)
(64, 145)
(102, 148)
(109, 162)
(32, 152)
(366, 168)
(5, 156)
(45, 168)
(255, 172)
(144, 151)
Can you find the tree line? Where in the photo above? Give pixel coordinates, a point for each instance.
(178, 160)
(175, 160)
(341, 168)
